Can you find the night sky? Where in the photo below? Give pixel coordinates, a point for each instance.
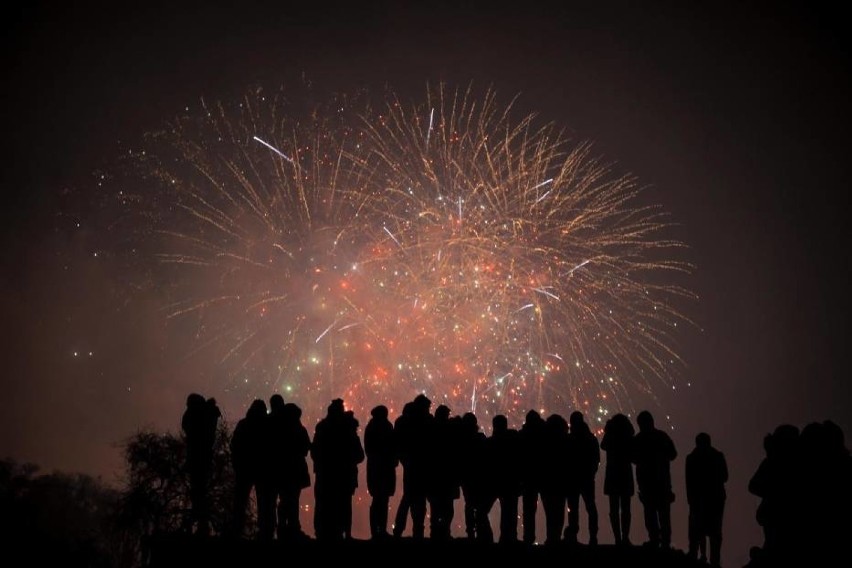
(735, 117)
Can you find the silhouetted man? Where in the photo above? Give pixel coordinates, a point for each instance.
(443, 484)
(653, 452)
(381, 468)
(585, 459)
(249, 455)
(336, 452)
(706, 475)
(414, 456)
(503, 467)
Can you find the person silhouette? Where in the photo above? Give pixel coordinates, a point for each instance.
(413, 440)
(835, 510)
(249, 456)
(336, 452)
(443, 481)
(295, 445)
(618, 476)
(585, 459)
(776, 483)
(400, 435)
(503, 460)
(806, 496)
(199, 423)
(706, 475)
(653, 452)
(532, 437)
(277, 450)
(381, 468)
(554, 486)
(471, 449)
(355, 455)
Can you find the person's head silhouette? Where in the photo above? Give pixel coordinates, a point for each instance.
(645, 421)
(336, 407)
(422, 402)
(442, 412)
(533, 417)
(380, 412)
(576, 420)
(194, 400)
(256, 410)
(499, 424)
(291, 411)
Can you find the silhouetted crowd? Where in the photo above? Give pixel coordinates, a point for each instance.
(445, 457)
(805, 486)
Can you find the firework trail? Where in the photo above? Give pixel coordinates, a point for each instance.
(374, 252)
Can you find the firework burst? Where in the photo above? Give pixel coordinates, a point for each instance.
(443, 247)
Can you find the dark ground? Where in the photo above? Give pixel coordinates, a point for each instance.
(179, 551)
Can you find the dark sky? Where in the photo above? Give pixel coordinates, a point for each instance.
(736, 115)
